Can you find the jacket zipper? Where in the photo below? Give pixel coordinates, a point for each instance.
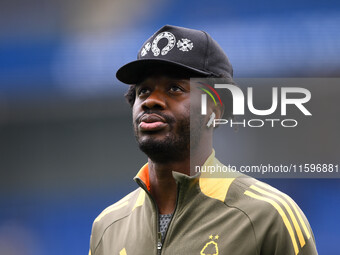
(166, 232)
(159, 244)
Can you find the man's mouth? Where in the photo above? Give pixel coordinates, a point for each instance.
(152, 122)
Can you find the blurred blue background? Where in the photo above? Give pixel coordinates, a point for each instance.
(65, 150)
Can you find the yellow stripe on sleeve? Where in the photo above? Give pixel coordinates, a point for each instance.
(122, 252)
(121, 203)
(290, 212)
(303, 224)
(140, 199)
(282, 214)
(110, 209)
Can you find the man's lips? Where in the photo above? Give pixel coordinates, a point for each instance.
(152, 122)
(153, 126)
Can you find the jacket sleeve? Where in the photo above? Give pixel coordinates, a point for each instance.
(280, 226)
(91, 251)
(280, 240)
(95, 239)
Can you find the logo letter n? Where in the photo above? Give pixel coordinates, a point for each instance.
(238, 97)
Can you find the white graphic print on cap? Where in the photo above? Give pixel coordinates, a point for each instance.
(185, 44)
(145, 49)
(171, 43)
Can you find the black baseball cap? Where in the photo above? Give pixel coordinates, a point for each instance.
(189, 50)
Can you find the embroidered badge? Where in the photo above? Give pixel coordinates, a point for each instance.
(145, 49)
(185, 44)
(211, 247)
(171, 43)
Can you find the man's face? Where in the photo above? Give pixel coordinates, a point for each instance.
(161, 118)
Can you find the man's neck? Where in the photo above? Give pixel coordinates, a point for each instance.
(163, 186)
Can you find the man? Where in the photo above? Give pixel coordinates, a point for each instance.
(173, 211)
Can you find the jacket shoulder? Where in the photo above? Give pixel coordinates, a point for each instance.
(113, 213)
(278, 222)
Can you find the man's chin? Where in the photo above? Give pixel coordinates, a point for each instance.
(153, 145)
(163, 150)
(156, 139)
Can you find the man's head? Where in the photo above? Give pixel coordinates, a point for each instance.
(161, 95)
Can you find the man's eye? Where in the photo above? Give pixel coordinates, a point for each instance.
(142, 91)
(175, 88)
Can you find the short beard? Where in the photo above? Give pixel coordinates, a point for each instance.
(174, 147)
(171, 149)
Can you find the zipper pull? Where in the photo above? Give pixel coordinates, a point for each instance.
(159, 243)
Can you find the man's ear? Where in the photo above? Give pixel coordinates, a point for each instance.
(217, 113)
(218, 110)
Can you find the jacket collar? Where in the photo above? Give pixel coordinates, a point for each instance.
(214, 185)
(143, 179)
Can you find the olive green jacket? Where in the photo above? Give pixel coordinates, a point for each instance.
(237, 215)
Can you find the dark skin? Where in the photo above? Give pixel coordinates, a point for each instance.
(161, 108)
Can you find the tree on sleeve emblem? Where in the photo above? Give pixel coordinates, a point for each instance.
(211, 247)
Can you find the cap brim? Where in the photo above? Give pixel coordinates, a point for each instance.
(135, 71)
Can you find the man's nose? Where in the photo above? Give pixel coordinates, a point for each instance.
(154, 100)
